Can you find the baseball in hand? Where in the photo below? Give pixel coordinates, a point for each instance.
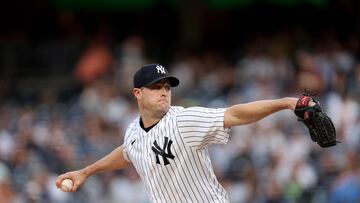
(66, 185)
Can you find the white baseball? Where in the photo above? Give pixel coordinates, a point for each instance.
(66, 185)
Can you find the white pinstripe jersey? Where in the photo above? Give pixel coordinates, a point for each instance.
(172, 158)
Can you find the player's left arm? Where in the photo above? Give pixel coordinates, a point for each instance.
(242, 114)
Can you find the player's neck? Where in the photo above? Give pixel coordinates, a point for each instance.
(150, 118)
(147, 129)
(149, 121)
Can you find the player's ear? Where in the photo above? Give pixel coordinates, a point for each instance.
(137, 93)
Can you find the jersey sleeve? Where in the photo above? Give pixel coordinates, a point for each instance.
(201, 126)
(127, 140)
(125, 150)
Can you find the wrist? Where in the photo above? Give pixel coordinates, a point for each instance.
(87, 171)
(290, 103)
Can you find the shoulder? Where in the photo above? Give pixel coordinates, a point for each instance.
(201, 113)
(197, 110)
(133, 123)
(132, 126)
(178, 110)
(175, 109)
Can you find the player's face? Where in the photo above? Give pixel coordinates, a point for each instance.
(156, 97)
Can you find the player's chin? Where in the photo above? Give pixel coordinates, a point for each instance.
(163, 106)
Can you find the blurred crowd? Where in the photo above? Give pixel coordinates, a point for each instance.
(271, 161)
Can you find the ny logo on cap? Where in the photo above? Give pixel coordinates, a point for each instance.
(160, 69)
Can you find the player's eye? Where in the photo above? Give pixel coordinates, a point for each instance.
(160, 86)
(155, 87)
(167, 87)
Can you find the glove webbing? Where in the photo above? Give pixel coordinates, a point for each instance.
(320, 123)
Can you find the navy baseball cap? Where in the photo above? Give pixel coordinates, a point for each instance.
(149, 74)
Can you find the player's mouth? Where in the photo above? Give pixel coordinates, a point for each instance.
(163, 101)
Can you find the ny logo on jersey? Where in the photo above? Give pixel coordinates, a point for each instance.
(160, 69)
(161, 151)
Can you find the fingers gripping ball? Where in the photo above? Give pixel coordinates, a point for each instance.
(66, 185)
(320, 126)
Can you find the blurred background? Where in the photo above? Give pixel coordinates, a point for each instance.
(66, 72)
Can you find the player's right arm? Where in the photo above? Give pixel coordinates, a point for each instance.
(113, 161)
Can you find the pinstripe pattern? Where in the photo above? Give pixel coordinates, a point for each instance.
(189, 176)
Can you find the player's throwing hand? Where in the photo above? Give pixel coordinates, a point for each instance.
(77, 177)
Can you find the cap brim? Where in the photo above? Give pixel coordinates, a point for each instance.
(172, 80)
